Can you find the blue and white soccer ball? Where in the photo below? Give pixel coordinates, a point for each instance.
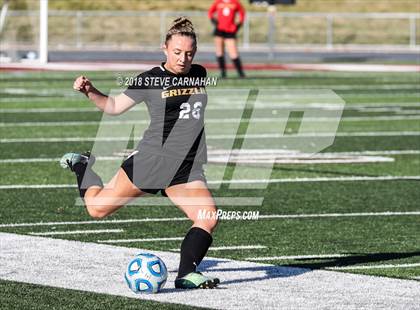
(146, 273)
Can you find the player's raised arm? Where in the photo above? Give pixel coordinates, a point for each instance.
(110, 105)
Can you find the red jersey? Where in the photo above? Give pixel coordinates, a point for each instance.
(226, 11)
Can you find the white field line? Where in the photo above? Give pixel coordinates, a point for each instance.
(242, 151)
(218, 121)
(76, 97)
(180, 219)
(141, 240)
(46, 160)
(380, 153)
(229, 248)
(261, 159)
(60, 92)
(63, 263)
(238, 247)
(37, 99)
(388, 266)
(244, 181)
(397, 107)
(162, 201)
(270, 159)
(289, 257)
(324, 215)
(77, 232)
(145, 220)
(291, 153)
(319, 134)
(58, 110)
(319, 179)
(65, 91)
(37, 186)
(222, 136)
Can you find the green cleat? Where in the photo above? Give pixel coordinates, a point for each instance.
(196, 280)
(70, 159)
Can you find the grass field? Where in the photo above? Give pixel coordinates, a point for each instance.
(360, 215)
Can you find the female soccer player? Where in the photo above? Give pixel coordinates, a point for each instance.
(169, 157)
(222, 14)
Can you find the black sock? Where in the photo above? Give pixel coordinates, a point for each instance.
(222, 65)
(86, 175)
(193, 249)
(238, 66)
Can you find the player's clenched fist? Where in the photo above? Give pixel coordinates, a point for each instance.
(82, 84)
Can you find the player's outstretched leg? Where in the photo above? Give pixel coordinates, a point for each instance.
(81, 165)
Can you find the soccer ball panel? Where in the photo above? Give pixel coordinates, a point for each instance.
(144, 286)
(146, 273)
(155, 268)
(134, 266)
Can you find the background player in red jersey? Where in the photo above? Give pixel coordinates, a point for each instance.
(223, 14)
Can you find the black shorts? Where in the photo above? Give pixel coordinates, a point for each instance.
(152, 173)
(223, 34)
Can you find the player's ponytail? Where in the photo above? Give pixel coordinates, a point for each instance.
(182, 26)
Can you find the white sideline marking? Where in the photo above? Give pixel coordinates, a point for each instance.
(217, 121)
(76, 232)
(227, 248)
(140, 240)
(297, 257)
(99, 268)
(228, 136)
(244, 181)
(375, 266)
(176, 219)
(216, 152)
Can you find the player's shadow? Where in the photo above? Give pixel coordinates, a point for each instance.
(270, 272)
(296, 269)
(351, 260)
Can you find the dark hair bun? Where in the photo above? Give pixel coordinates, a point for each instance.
(181, 25)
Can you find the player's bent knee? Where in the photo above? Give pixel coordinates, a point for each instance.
(207, 224)
(96, 212)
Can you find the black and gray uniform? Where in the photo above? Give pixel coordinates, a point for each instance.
(173, 148)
